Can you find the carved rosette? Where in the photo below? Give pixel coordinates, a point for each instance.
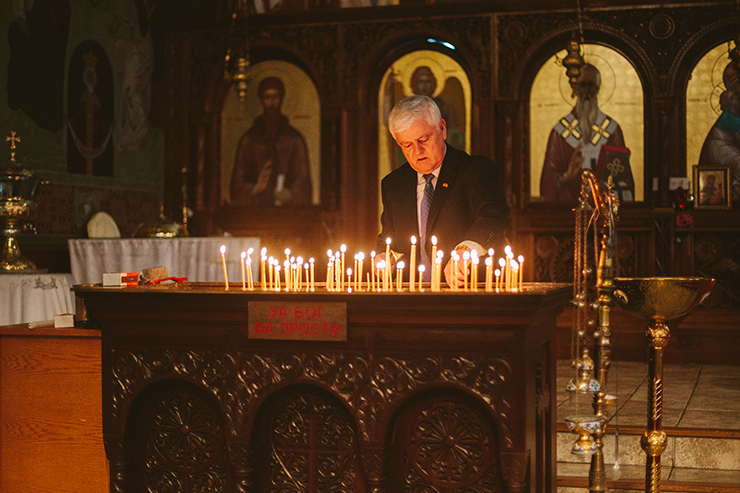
(186, 435)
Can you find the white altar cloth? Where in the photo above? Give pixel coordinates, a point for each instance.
(34, 297)
(198, 259)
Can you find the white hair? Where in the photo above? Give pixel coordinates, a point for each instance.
(412, 109)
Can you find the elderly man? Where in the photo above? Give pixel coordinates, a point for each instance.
(440, 192)
(576, 142)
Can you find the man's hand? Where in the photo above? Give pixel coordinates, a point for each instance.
(462, 269)
(575, 166)
(263, 179)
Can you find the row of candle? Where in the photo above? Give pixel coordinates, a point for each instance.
(508, 277)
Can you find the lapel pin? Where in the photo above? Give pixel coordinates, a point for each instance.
(444, 185)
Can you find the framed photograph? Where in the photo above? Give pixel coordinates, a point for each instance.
(712, 187)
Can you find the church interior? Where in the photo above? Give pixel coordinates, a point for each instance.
(140, 124)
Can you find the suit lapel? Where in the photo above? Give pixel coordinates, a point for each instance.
(407, 199)
(444, 181)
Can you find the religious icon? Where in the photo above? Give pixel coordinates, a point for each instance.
(722, 144)
(274, 161)
(90, 108)
(598, 111)
(712, 187)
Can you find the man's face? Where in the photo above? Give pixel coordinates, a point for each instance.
(587, 87)
(271, 100)
(423, 145)
(424, 85)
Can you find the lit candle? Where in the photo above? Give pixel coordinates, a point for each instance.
(361, 268)
(287, 254)
(299, 270)
(434, 247)
(412, 264)
(474, 271)
(399, 276)
(308, 282)
(438, 268)
(489, 274)
(387, 270)
(313, 279)
(466, 264)
(498, 278)
(349, 278)
(421, 276)
(288, 277)
(371, 287)
(338, 273)
(357, 263)
(329, 270)
(343, 249)
(515, 275)
(271, 262)
(521, 270)
(223, 262)
(263, 258)
(244, 273)
(502, 265)
(250, 276)
(277, 275)
(455, 261)
(381, 268)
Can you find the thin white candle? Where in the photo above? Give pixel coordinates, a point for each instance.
(223, 262)
(421, 277)
(399, 276)
(244, 268)
(412, 264)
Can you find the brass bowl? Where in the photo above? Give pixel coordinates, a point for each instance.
(664, 298)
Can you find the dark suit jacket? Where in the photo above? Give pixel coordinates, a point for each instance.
(467, 205)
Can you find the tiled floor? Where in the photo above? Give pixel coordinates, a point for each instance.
(698, 401)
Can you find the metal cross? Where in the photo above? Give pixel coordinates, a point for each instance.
(600, 131)
(570, 128)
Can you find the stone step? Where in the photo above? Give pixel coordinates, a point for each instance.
(700, 417)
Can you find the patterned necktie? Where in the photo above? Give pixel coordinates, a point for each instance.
(426, 203)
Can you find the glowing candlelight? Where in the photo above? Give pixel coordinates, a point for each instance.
(371, 286)
(349, 278)
(263, 258)
(498, 278)
(277, 275)
(489, 274)
(244, 273)
(381, 268)
(502, 265)
(338, 273)
(387, 271)
(466, 264)
(343, 249)
(357, 263)
(250, 276)
(438, 271)
(313, 284)
(434, 247)
(412, 264)
(223, 262)
(421, 276)
(288, 280)
(455, 261)
(521, 270)
(361, 265)
(308, 282)
(271, 263)
(515, 275)
(474, 271)
(399, 276)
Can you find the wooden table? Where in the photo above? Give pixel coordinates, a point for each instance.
(451, 389)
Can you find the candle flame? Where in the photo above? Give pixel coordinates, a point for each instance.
(264, 250)
(489, 261)
(387, 241)
(422, 268)
(343, 248)
(434, 240)
(521, 258)
(502, 262)
(223, 249)
(413, 240)
(249, 252)
(400, 264)
(490, 252)
(244, 255)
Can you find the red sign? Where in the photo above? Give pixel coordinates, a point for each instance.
(298, 321)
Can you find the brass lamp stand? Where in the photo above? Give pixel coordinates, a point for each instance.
(658, 299)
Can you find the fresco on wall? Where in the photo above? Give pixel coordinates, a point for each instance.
(37, 39)
(90, 111)
(713, 115)
(597, 123)
(270, 144)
